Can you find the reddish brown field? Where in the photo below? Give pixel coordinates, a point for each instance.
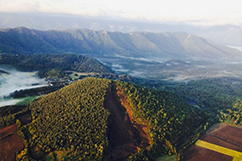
(214, 139)
(10, 143)
(220, 134)
(231, 134)
(7, 130)
(195, 153)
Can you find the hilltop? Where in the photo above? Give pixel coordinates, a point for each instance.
(102, 119)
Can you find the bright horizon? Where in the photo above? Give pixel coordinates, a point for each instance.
(202, 13)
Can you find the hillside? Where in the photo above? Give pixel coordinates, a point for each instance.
(53, 64)
(98, 118)
(103, 43)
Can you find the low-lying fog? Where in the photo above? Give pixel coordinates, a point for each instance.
(175, 70)
(12, 80)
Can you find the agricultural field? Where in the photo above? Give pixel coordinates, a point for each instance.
(10, 143)
(220, 149)
(221, 142)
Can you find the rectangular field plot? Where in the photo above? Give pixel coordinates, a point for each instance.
(220, 149)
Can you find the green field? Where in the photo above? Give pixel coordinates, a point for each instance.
(26, 101)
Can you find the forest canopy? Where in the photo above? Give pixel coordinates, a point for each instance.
(73, 120)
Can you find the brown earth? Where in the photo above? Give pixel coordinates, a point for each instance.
(10, 143)
(124, 136)
(142, 125)
(224, 135)
(7, 130)
(195, 153)
(232, 134)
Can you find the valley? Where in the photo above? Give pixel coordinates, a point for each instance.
(12, 80)
(173, 70)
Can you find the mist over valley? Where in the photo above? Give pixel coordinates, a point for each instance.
(12, 80)
(167, 56)
(174, 70)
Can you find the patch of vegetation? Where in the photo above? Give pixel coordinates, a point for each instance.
(37, 91)
(232, 115)
(8, 114)
(27, 100)
(8, 110)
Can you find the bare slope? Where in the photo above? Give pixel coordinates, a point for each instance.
(125, 137)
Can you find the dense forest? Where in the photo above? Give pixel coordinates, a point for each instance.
(73, 124)
(9, 114)
(53, 65)
(72, 120)
(213, 95)
(171, 120)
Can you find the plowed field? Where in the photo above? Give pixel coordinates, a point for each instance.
(221, 135)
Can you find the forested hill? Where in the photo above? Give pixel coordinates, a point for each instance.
(47, 62)
(103, 43)
(101, 119)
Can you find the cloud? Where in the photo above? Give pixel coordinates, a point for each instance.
(19, 6)
(209, 12)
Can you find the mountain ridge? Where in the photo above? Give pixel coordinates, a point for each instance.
(222, 34)
(110, 120)
(104, 43)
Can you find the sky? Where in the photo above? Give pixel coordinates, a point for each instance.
(202, 12)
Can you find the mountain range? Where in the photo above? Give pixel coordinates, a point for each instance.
(168, 45)
(222, 34)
